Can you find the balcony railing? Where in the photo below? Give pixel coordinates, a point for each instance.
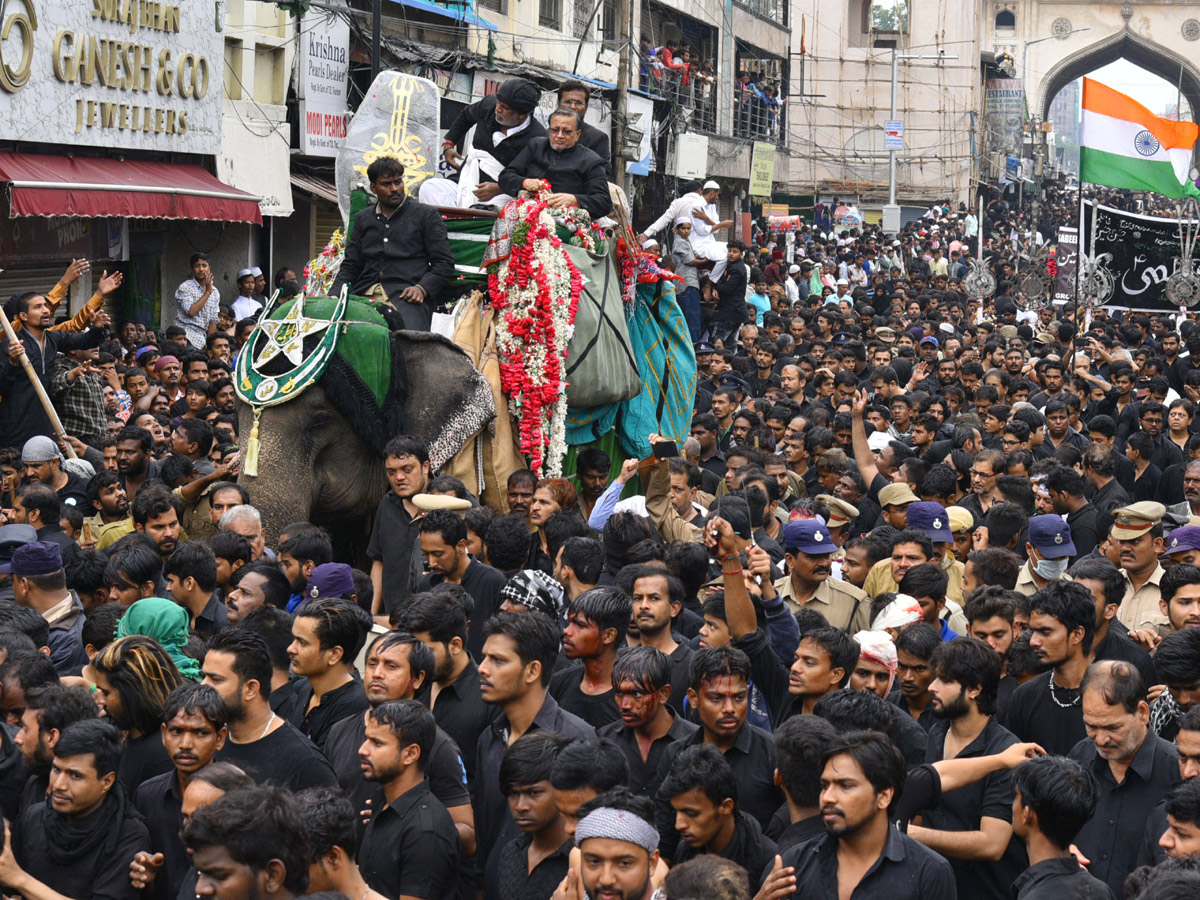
(755, 116)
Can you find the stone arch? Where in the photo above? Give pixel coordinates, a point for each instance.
(1125, 44)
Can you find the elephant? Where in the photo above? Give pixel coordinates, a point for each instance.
(314, 466)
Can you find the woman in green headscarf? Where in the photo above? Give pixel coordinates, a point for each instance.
(166, 622)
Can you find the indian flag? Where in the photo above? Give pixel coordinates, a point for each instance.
(1124, 145)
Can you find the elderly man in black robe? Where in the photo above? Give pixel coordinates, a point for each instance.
(576, 95)
(398, 250)
(504, 125)
(577, 175)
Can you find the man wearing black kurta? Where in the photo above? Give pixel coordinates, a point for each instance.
(504, 125)
(577, 176)
(398, 249)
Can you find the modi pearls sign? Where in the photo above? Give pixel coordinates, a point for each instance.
(130, 74)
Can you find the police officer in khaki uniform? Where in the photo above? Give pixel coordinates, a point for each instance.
(809, 555)
(841, 516)
(1138, 532)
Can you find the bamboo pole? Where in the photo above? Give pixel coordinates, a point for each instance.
(38, 387)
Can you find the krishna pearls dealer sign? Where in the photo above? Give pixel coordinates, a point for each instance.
(129, 74)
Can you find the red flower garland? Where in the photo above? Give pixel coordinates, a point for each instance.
(536, 394)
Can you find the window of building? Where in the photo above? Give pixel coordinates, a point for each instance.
(1006, 20)
(888, 16)
(608, 20)
(500, 6)
(550, 14)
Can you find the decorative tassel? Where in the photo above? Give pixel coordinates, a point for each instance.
(250, 462)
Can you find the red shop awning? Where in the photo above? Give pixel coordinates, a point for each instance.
(40, 185)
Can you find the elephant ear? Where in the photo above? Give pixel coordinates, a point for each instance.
(350, 395)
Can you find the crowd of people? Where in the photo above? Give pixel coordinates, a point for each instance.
(678, 72)
(914, 611)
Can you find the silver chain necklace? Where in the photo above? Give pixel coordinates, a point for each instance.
(1058, 702)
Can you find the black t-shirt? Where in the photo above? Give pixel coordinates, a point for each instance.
(142, 759)
(12, 773)
(100, 874)
(460, 711)
(161, 805)
(1053, 720)
(391, 543)
(285, 757)
(444, 769)
(595, 709)
(483, 583)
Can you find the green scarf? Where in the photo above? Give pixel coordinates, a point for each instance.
(165, 621)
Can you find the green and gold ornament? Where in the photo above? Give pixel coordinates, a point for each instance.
(262, 379)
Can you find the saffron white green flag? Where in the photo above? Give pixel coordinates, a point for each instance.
(1124, 145)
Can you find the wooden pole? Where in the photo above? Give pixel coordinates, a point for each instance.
(38, 388)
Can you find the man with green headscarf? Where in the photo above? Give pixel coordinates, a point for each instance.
(166, 622)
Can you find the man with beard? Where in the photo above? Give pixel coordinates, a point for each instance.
(439, 622)
(443, 542)
(1133, 766)
(193, 730)
(861, 854)
(618, 848)
(519, 492)
(971, 826)
(78, 843)
(411, 847)
(156, 515)
(1047, 709)
(22, 415)
(1112, 641)
(49, 709)
(108, 501)
(408, 267)
(134, 446)
(398, 665)
(238, 667)
(504, 125)
(592, 474)
(657, 599)
(249, 844)
(43, 465)
(406, 462)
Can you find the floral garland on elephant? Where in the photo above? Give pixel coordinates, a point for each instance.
(535, 287)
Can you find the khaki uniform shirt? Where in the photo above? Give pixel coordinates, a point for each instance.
(845, 606)
(1139, 609)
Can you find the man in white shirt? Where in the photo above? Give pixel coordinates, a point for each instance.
(245, 305)
(705, 220)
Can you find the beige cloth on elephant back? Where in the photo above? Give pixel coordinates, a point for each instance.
(486, 460)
